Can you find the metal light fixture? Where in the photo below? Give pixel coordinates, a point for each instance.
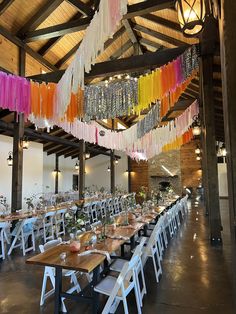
(56, 171)
(191, 16)
(108, 169)
(197, 150)
(116, 161)
(10, 159)
(87, 155)
(25, 143)
(196, 126)
(76, 166)
(223, 150)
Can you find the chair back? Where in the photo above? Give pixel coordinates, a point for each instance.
(50, 214)
(103, 208)
(93, 212)
(128, 268)
(49, 245)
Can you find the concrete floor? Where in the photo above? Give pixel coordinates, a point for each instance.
(196, 277)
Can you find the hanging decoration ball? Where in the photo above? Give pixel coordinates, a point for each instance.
(191, 16)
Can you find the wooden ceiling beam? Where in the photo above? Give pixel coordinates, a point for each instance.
(149, 44)
(67, 56)
(158, 35)
(118, 53)
(83, 8)
(15, 40)
(39, 17)
(58, 30)
(4, 5)
(148, 6)
(4, 113)
(163, 22)
(150, 60)
(132, 36)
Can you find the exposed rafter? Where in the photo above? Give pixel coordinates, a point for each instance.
(83, 8)
(39, 16)
(58, 30)
(148, 6)
(163, 22)
(132, 36)
(118, 53)
(150, 60)
(15, 40)
(150, 45)
(158, 35)
(67, 56)
(4, 5)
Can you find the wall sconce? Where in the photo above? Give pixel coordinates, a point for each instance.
(191, 16)
(10, 159)
(108, 169)
(223, 151)
(76, 166)
(55, 171)
(25, 143)
(197, 150)
(196, 126)
(87, 155)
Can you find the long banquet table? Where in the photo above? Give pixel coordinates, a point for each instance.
(114, 240)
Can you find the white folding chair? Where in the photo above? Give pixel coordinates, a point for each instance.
(4, 230)
(103, 208)
(21, 233)
(118, 264)
(48, 226)
(60, 222)
(118, 288)
(93, 212)
(151, 250)
(49, 274)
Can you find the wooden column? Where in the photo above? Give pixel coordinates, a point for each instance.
(112, 165)
(81, 168)
(210, 158)
(56, 173)
(227, 27)
(18, 133)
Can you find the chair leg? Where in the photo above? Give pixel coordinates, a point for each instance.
(125, 305)
(43, 291)
(137, 294)
(3, 248)
(23, 242)
(75, 282)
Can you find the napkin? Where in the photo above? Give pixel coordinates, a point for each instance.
(118, 237)
(95, 251)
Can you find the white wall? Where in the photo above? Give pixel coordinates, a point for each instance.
(32, 169)
(222, 179)
(95, 168)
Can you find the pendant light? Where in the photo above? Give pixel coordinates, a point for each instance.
(191, 16)
(108, 169)
(25, 143)
(76, 166)
(87, 155)
(223, 150)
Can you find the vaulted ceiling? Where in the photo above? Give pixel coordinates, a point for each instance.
(51, 31)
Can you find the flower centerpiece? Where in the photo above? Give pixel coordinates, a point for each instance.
(75, 224)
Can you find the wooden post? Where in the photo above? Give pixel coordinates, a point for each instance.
(112, 165)
(56, 174)
(18, 133)
(227, 26)
(81, 168)
(210, 158)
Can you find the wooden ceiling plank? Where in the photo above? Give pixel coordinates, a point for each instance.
(83, 8)
(15, 40)
(67, 56)
(150, 60)
(58, 30)
(147, 7)
(158, 35)
(118, 53)
(39, 17)
(4, 5)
